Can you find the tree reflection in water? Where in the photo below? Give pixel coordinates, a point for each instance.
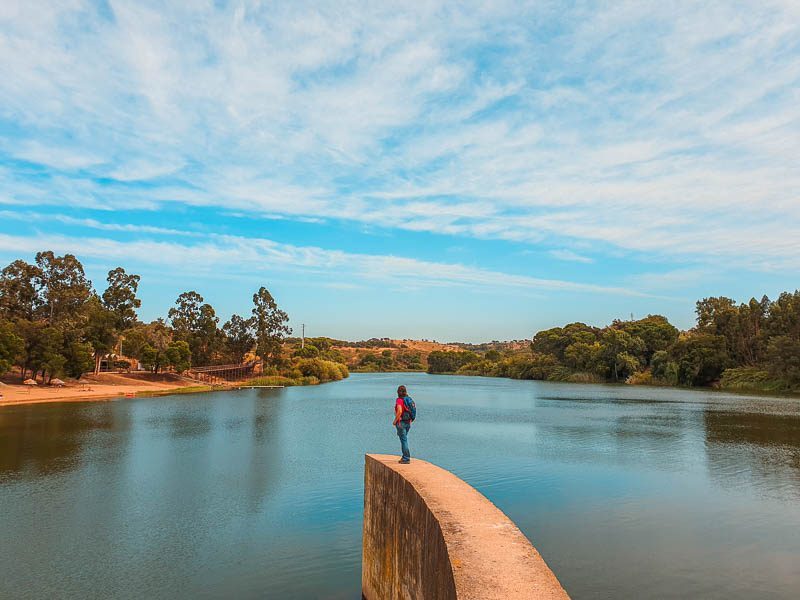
(757, 450)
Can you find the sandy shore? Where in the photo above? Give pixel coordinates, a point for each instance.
(104, 387)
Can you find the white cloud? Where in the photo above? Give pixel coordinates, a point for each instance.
(569, 255)
(636, 127)
(234, 254)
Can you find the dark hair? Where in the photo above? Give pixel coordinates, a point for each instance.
(401, 392)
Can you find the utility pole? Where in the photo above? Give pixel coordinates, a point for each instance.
(303, 337)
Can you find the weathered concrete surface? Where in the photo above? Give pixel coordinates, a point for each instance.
(429, 535)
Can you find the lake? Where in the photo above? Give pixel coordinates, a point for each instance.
(627, 492)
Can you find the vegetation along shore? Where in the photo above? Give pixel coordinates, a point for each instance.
(54, 324)
(56, 329)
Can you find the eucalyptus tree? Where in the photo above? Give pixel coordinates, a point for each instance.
(270, 324)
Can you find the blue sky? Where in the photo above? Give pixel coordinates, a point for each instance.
(451, 171)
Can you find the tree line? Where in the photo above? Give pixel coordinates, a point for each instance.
(53, 322)
(753, 345)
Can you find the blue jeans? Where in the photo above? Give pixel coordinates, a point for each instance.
(403, 427)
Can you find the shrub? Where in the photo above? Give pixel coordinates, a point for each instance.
(323, 370)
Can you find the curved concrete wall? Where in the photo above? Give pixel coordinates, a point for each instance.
(429, 535)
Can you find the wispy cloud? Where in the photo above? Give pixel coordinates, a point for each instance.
(569, 255)
(637, 127)
(236, 254)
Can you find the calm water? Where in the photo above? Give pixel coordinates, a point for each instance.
(628, 492)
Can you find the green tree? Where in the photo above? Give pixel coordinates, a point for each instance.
(20, 296)
(185, 315)
(740, 325)
(239, 337)
(78, 358)
(64, 286)
(100, 330)
(555, 341)
(701, 358)
(195, 323)
(783, 316)
(664, 368)
(655, 331)
(178, 356)
(447, 361)
(41, 349)
(307, 351)
(120, 297)
(11, 346)
(584, 357)
(149, 344)
(270, 326)
(783, 358)
(617, 349)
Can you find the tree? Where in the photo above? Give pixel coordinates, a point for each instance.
(19, 291)
(100, 330)
(185, 315)
(307, 351)
(270, 326)
(740, 325)
(783, 316)
(616, 350)
(655, 331)
(664, 368)
(195, 323)
(701, 358)
(10, 346)
(120, 297)
(64, 285)
(492, 355)
(178, 356)
(149, 344)
(556, 340)
(41, 348)
(239, 337)
(447, 361)
(78, 358)
(783, 358)
(583, 357)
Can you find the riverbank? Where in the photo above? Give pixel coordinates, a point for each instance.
(104, 387)
(112, 386)
(768, 389)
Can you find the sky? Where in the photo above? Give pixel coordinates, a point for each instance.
(442, 170)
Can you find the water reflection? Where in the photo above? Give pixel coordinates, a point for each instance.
(757, 450)
(258, 493)
(51, 439)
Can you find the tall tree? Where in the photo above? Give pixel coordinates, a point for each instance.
(41, 349)
(10, 346)
(64, 285)
(100, 330)
(120, 297)
(619, 353)
(149, 344)
(239, 337)
(185, 314)
(20, 296)
(270, 326)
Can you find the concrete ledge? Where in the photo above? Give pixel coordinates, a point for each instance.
(430, 535)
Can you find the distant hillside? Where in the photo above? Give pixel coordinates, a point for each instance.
(381, 354)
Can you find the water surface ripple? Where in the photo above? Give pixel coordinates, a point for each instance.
(628, 492)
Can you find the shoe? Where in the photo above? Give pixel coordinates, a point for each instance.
(403, 461)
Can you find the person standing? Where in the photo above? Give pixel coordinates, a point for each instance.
(405, 411)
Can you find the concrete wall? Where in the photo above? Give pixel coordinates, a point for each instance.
(429, 535)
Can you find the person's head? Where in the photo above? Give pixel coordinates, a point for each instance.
(401, 392)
